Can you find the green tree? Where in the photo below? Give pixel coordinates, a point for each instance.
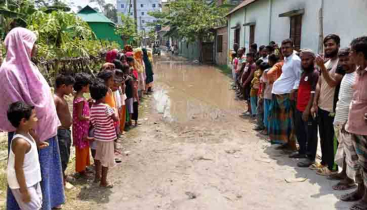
(111, 12)
(193, 19)
(127, 30)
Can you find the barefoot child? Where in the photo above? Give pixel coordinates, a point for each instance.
(64, 86)
(130, 89)
(24, 171)
(103, 118)
(81, 123)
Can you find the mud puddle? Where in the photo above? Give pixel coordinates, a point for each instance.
(185, 91)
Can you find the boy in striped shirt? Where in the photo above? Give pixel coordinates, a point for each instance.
(103, 118)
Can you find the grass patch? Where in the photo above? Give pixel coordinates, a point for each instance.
(225, 69)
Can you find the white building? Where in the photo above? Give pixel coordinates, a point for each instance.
(262, 21)
(143, 7)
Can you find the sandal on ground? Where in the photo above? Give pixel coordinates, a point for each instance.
(351, 197)
(106, 186)
(306, 163)
(359, 206)
(118, 160)
(264, 132)
(57, 207)
(316, 166)
(344, 186)
(325, 172)
(337, 176)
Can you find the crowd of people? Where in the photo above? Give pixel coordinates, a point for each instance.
(41, 128)
(294, 94)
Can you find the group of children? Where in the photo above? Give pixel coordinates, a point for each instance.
(104, 107)
(253, 80)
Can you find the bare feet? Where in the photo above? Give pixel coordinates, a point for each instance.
(344, 184)
(353, 196)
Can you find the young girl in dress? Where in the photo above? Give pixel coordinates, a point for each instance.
(103, 118)
(81, 123)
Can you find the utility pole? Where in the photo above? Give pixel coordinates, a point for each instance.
(136, 16)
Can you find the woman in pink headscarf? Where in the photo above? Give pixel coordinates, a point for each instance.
(21, 80)
(111, 55)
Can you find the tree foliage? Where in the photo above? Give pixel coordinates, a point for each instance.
(63, 35)
(127, 29)
(192, 19)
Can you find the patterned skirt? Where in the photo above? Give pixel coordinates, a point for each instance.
(280, 119)
(52, 178)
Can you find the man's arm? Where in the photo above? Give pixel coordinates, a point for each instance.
(331, 81)
(316, 98)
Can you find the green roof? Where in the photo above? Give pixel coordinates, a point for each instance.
(88, 14)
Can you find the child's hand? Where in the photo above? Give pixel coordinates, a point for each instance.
(26, 198)
(42, 145)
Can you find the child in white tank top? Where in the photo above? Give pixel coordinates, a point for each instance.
(24, 171)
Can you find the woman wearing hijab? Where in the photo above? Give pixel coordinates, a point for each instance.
(111, 55)
(139, 66)
(21, 80)
(148, 71)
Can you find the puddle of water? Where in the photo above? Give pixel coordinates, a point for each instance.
(185, 91)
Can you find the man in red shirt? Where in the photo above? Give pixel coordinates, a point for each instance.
(306, 126)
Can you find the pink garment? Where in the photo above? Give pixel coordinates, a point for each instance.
(80, 128)
(129, 54)
(111, 55)
(21, 80)
(358, 108)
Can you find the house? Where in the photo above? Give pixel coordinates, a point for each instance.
(103, 27)
(142, 8)
(221, 39)
(304, 21)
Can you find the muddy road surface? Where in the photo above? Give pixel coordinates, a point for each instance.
(194, 152)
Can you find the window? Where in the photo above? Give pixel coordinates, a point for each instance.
(143, 21)
(220, 43)
(237, 35)
(131, 5)
(142, 13)
(160, 5)
(141, 5)
(122, 6)
(153, 5)
(131, 13)
(296, 30)
(252, 34)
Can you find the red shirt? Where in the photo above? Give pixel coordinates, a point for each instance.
(307, 84)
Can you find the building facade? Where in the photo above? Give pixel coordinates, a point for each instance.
(304, 21)
(126, 7)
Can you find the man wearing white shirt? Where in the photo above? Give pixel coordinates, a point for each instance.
(284, 89)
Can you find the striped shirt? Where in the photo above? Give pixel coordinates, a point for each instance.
(345, 98)
(104, 129)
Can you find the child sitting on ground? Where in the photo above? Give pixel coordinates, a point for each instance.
(103, 118)
(81, 123)
(64, 86)
(24, 171)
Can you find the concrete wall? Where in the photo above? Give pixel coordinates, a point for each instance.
(221, 57)
(257, 12)
(189, 50)
(347, 18)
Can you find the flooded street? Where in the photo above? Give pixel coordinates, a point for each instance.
(194, 152)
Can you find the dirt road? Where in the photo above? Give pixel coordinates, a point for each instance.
(194, 152)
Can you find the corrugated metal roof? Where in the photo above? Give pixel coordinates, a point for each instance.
(241, 5)
(88, 14)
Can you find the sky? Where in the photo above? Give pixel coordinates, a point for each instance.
(83, 3)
